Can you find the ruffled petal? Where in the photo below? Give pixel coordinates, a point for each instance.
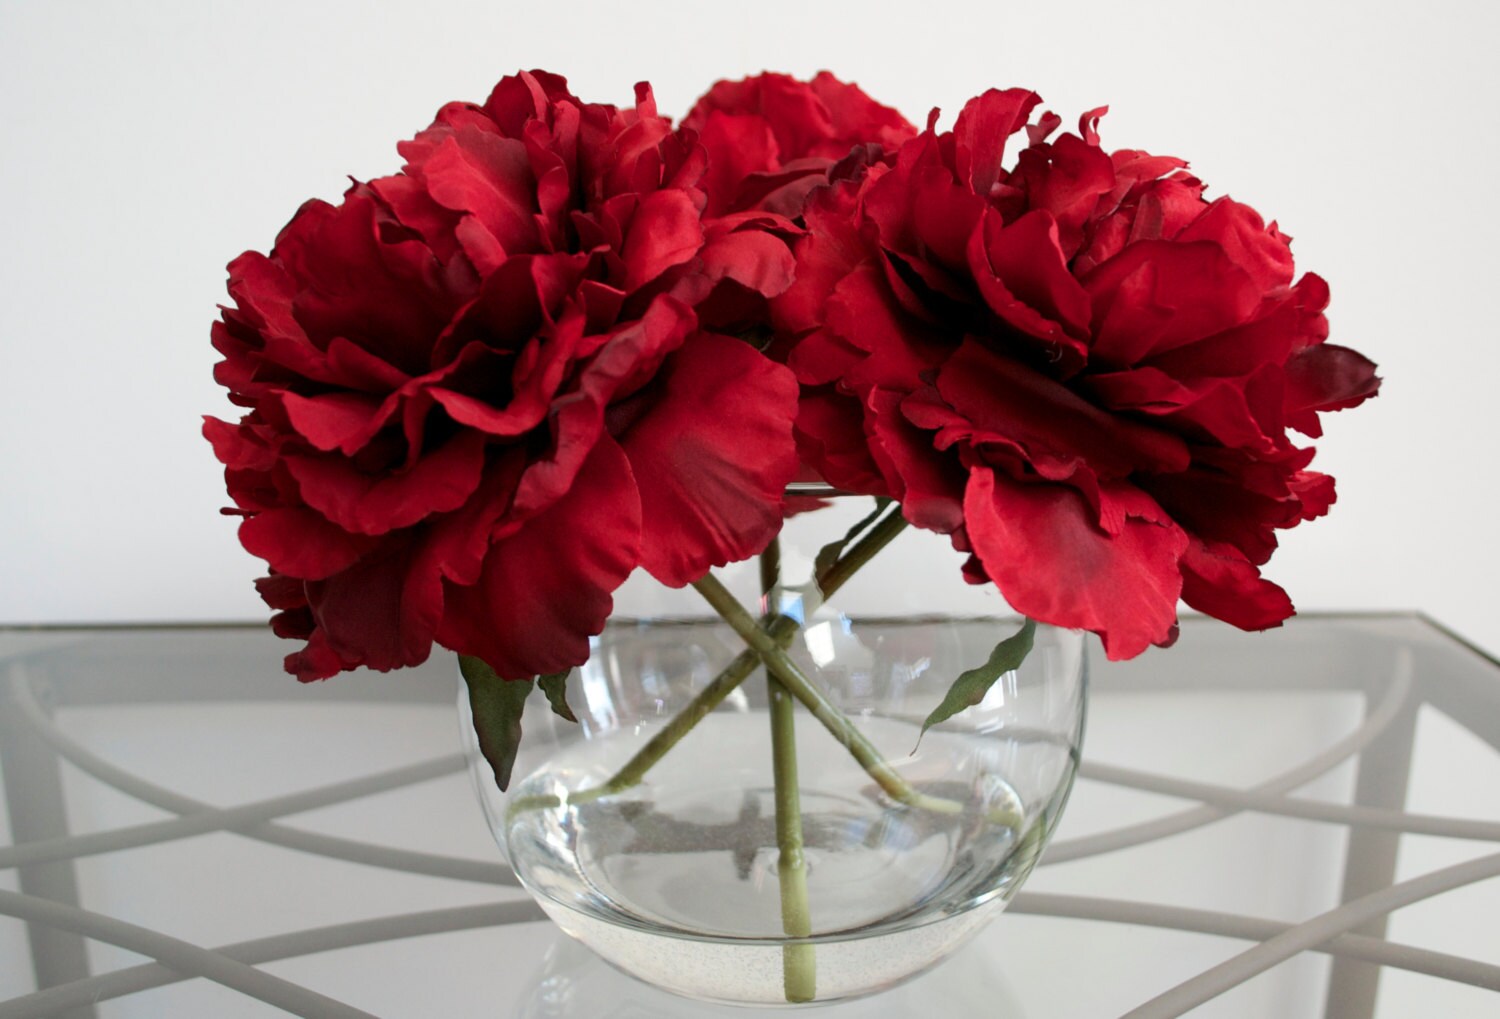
(1053, 563)
(543, 591)
(712, 456)
(1218, 581)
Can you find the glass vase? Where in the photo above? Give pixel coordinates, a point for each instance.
(789, 834)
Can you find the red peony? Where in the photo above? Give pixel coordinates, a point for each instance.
(1077, 366)
(479, 394)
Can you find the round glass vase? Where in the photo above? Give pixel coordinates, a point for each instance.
(781, 834)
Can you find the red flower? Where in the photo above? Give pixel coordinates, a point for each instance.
(1078, 367)
(479, 394)
(772, 138)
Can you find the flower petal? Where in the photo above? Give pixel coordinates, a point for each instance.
(712, 456)
(544, 590)
(1053, 563)
(1158, 295)
(300, 543)
(1046, 418)
(980, 133)
(1218, 581)
(664, 231)
(377, 503)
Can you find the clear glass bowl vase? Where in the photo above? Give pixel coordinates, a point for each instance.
(658, 832)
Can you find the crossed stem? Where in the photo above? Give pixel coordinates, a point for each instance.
(780, 629)
(767, 644)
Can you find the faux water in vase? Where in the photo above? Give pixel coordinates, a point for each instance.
(657, 831)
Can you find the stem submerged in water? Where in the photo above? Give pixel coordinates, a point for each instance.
(780, 665)
(799, 964)
(781, 629)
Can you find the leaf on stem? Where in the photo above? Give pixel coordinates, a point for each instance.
(555, 686)
(970, 687)
(497, 704)
(829, 553)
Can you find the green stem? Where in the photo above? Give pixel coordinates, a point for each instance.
(835, 721)
(799, 964)
(799, 972)
(781, 629)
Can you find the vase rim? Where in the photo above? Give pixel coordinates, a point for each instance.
(813, 489)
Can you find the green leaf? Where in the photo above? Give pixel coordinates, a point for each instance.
(970, 687)
(497, 705)
(829, 553)
(555, 686)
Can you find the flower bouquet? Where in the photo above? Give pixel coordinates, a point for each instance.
(570, 341)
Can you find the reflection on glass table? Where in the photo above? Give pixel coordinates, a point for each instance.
(1298, 823)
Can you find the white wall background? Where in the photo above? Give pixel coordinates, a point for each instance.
(144, 145)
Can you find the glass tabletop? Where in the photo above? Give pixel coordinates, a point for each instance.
(1299, 823)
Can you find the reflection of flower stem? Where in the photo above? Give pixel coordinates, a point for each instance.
(835, 721)
(799, 963)
(781, 629)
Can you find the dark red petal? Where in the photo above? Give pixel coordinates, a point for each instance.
(626, 361)
(489, 178)
(864, 313)
(738, 145)
(389, 296)
(339, 420)
(409, 201)
(821, 358)
(929, 484)
(753, 259)
(1036, 292)
(1053, 563)
(1158, 295)
(1049, 420)
(537, 375)
(263, 292)
(237, 447)
(1242, 234)
(856, 116)
(294, 624)
(944, 215)
(526, 96)
(281, 592)
(980, 133)
(1218, 409)
(1067, 179)
(299, 543)
(1283, 327)
(1219, 581)
(376, 503)
(825, 255)
(1326, 377)
(453, 545)
(1221, 507)
(546, 589)
(367, 613)
(665, 231)
(712, 456)
(831, 439)
(317, 660)
(1088, 124)
(1314, 493)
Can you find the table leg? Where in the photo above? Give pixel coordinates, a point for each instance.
(1370, 860)
(34, 798)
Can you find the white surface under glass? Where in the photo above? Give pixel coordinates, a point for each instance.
(319, 850)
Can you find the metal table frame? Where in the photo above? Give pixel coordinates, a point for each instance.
(1396, 662)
